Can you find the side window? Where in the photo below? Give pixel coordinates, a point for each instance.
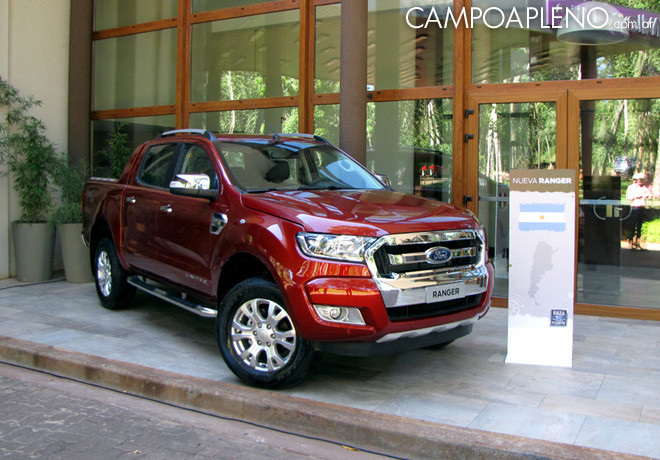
(156, 169)
(195, 160)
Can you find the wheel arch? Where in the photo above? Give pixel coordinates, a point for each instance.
(100, 230)
(238, 268)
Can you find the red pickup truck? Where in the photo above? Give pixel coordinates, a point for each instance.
(290, 244)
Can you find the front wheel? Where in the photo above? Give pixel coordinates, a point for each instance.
(111, 286)
(258, 339)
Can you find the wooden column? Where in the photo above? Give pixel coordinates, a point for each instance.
(353, 80)
(80, 81)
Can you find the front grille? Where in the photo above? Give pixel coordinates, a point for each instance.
(392, 259)
(425, 310)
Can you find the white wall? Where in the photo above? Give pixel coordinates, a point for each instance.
(34, 58)
(4, 182)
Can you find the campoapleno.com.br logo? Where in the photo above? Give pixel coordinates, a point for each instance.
(569, 15)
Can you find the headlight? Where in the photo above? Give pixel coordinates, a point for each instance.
(337, 247)
(482, 232)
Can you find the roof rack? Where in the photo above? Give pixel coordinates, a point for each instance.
(201, 132)
(305, 135)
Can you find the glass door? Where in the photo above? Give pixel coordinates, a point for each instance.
(511, 135)
(619, 215)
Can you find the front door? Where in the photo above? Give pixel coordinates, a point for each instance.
(511, 135)
(188, 228)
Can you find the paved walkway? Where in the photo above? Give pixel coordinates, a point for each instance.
(609, 399)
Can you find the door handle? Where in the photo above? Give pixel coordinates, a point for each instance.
(130, 199)
(166, 208)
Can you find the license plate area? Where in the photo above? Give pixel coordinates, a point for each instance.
(445, 292)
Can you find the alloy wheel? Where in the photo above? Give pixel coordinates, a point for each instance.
(262, 335)
(104, 273)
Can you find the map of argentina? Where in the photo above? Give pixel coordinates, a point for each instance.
(541, 265)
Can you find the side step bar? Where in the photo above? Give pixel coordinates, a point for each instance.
(167, 296)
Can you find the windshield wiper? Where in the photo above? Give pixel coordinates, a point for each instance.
(262, 190)
(327, 187)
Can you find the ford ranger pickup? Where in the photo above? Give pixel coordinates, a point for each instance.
(290, 245)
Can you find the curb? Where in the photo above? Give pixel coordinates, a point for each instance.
(362, 429)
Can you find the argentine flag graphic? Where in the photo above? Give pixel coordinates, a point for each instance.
(542, 216)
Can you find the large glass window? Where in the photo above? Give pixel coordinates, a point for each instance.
(135, 70)
(118, 13)
(327, 47)
(410, 142)
(586, 40)
(113, 141)
(400, 52)
(511, 136)
(619, 216)
(401, 56)
(326, 122)
(261, 121)
(245, 58)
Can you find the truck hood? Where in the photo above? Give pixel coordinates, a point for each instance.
(360, 212)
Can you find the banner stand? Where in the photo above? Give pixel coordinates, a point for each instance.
(541, 266)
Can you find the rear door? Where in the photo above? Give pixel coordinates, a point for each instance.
(143, 199)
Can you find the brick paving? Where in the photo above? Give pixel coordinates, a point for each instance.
(53, 418)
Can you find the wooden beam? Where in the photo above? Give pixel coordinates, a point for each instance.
(133, 112)
(182, 119)
(248, 10)
(306, 66)
(134, 29)
(244, 104)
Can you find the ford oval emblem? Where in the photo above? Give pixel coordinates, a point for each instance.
(438, 255)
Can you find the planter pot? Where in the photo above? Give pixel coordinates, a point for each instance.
(75, 254)
(33, 246)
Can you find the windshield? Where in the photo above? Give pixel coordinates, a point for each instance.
(262, 166)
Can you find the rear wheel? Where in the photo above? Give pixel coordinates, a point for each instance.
(111, 286)
(258, 339)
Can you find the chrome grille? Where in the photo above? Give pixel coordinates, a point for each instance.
(407, 256)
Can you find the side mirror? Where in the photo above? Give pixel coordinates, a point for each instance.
(384, 179)
(193, 185)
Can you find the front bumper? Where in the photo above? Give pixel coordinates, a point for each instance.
(397, 307)
(411, 340)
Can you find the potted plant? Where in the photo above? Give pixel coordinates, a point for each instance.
(115, 153)
(30, 157)
(68, 218)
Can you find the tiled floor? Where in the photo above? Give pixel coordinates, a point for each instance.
(609, 399)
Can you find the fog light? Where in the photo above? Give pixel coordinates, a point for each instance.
(344, 315)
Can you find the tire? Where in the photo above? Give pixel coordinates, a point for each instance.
(257, 337)
(110, 277)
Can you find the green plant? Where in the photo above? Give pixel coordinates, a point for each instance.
(28, 153)
(71, 180)
(651, 231)
(116, 150)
